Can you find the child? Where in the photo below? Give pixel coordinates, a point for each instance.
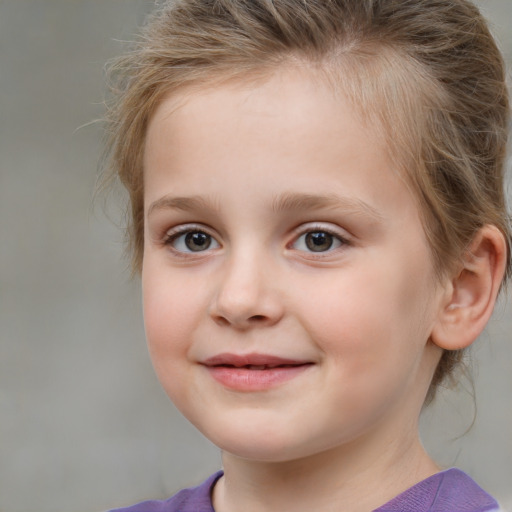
(318, 218)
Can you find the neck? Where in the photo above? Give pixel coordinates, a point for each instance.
(338, 479)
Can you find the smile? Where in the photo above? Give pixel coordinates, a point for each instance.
(254, 372)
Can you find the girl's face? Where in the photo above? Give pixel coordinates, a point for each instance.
(289, 293)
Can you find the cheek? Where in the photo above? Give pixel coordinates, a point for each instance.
(170, 319)
(373, 338)
(170, 314)
(370, 318)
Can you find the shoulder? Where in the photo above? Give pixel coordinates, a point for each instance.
(446, 491)
(193, 499)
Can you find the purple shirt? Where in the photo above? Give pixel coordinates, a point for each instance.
(449, 491)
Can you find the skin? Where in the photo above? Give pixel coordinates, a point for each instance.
(256, 167)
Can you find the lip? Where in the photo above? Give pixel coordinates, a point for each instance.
(254, 372)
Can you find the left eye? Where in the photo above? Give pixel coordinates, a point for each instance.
(192, 241)
(317, 241)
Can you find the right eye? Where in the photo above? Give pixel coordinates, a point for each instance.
(188, 241)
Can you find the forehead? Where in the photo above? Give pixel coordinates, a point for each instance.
(294, 103)
(382, 89)
(290, 134)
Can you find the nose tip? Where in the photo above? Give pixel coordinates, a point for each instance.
(246, 301)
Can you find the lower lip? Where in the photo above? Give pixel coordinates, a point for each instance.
(244, 379)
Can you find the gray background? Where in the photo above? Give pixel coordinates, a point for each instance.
(84, 424)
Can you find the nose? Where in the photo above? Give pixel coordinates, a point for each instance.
(247, 295)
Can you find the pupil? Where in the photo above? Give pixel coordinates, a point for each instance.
(197, 241)
(319, 241)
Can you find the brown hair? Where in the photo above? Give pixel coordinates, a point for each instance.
(428, 71)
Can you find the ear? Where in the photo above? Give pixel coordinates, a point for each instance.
(470, 296)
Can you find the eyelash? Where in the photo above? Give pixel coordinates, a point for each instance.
(172, 236)
(337, 238)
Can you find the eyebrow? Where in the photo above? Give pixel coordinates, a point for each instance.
(284, 203)
(292, 201)
(186, 204)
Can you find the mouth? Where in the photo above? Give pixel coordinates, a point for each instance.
(258, 367)
(254, 372)
(253, 361)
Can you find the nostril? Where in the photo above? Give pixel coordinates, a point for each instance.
(222, 321)
(257, 318)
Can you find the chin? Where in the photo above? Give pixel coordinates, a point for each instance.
(267, 445)
(258, 441)
(262, 452)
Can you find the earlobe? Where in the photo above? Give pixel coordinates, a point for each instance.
(470, 297)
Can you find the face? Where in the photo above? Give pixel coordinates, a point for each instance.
(288, 287)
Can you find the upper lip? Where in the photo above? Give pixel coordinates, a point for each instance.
(254, 359)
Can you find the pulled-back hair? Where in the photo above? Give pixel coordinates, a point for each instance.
(427, 73)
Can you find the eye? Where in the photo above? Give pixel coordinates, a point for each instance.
(318, 241)
(191, 241)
